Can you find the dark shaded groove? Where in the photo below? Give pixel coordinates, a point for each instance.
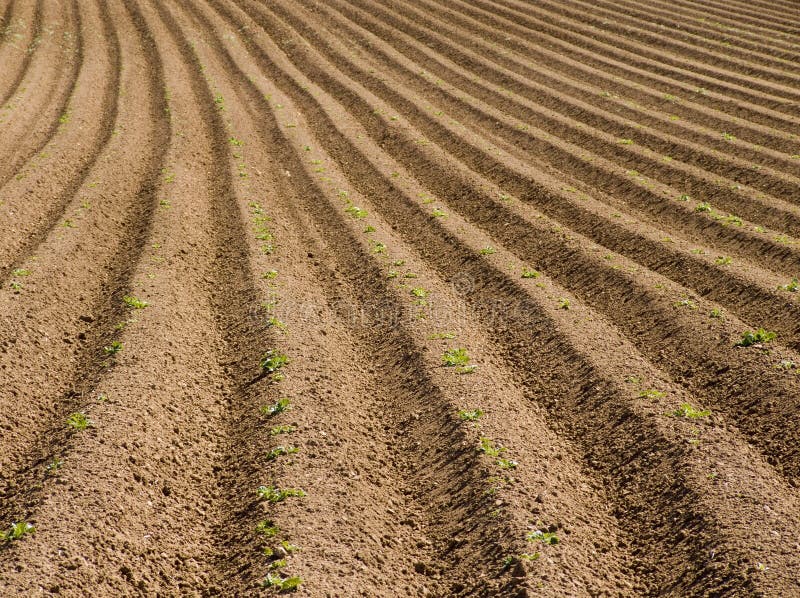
(107, 118)
(28, 479)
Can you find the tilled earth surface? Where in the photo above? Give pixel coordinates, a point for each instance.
(399, 298)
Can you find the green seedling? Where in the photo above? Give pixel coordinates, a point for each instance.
(114, 348)
(280, 406)
(441, 335)
(651, 394)
(507, 463)
(17, 531)
(750, 338)
(273, 321)
(275, 495)
(272, 361)
(236, 142)
(792, 286)
(419, 292)
(728, 137)
(563, 303)
(379, 248)
(470, 415)
(275, 430)
(529, 273)
(78, 421)
(466, 369)
(723, 261)
(369, 229)
(282, 584)
(549, 538)
(455, 357)
(356, 212)
(686, 410)
(684, 197)
(54, 466)
(281, 450)
(487, 447)
(267, 528)
(717, 313)
(269, 274)
(289, 547)
(703, 207)
(625, 141)
(437, 213)
(16, 287)
(133, 302)
(488, 250)
(529, 556)
(21, 272)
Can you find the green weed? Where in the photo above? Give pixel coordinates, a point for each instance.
(470, 415)
(275, 495)
(529, 273)
(455, 357)
(750, 338)
(686, 410)
(272, 361)
(78, 421)
(133, 302)
(17, 531)
(279, 451)
(282, 584)
(267, 528)
(281, 406)
(549, 538)
(356, 212)
(275, 430)
(114, 348)
(487, 447)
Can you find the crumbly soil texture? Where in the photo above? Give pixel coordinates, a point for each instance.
(435, 298)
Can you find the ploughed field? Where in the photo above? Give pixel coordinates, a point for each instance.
(411, 297)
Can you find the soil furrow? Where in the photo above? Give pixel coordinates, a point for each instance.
(81, 148)
(509, 34)
(33, 116)
(744, 16)
(723, 57)
(358, 174)
(713, 75)
(28, 49)
(523, 147)
(420, 298)
(774, 254)
(581, 103)
(628, 303)
(65, 313)
(384, 344)
(734, 41)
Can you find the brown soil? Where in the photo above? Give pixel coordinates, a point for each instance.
(595, 200)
